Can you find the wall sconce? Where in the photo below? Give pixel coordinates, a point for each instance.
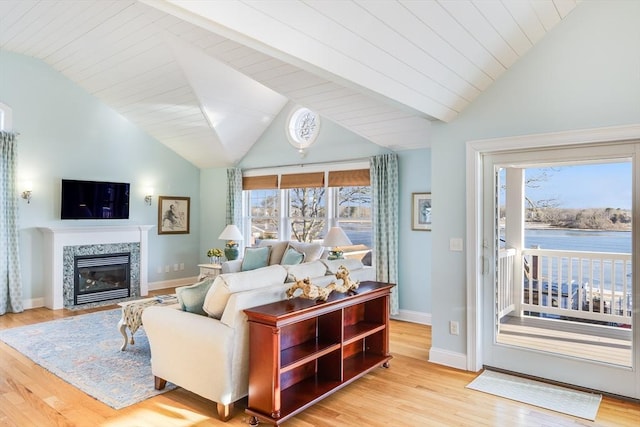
(28, 188)
(149, 197)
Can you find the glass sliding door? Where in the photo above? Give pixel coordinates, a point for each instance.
(558, 226)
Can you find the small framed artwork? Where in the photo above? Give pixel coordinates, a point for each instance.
(173, 215)
(421, 212)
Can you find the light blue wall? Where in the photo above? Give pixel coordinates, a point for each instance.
(584, 74)
(414, 247)
(67, 133)
(213, 196)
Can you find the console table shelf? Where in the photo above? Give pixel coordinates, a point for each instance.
(302, 350)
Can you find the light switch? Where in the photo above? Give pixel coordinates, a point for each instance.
(455, 244)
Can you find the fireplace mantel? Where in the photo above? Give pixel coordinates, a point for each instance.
(56, 238)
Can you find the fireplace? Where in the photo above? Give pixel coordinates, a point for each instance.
(62, 245)
(101, 277)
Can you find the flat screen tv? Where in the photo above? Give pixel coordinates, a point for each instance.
(94, 200)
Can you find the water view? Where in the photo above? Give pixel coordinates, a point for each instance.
(579, 240)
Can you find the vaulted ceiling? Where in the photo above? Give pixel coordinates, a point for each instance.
(206, 78)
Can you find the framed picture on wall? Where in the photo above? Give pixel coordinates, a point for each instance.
(173, 215)
(421, 212)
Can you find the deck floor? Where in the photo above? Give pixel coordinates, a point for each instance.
(593, 342)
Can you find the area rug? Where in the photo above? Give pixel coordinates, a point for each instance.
(548, 396)
(85, 351)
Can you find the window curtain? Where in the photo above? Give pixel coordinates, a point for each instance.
(384, 191)
(10, 281)
(234, 197)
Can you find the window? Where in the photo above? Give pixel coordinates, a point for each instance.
(303, 206)
(6, 117)
(264, 214)
(353, 212)
(307, 213)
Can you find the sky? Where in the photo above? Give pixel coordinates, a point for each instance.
(606, 185)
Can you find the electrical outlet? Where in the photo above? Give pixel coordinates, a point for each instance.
(175, 267)
(455, 244)
(454, 328)
(181, 266)
(167, 268)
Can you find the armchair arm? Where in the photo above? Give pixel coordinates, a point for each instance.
(232, 266)
(192, 351)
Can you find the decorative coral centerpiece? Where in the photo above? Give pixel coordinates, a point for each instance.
(309, 290)
(348, 285)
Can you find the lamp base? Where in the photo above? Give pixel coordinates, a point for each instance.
(335, 255)
(231, 253)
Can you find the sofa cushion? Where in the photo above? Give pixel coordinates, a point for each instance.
(306, 269)
(191, 298)
(227, 284)
(312, 251)
(255, 258)
(350, 264)
(277, 249)
(292, 256)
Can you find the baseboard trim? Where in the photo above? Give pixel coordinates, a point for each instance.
(164, 284)
(413, 317)
(32, 303)
(448, 358)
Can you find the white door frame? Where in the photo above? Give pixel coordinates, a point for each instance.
(476, 263)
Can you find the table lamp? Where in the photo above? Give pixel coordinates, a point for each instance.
(335, 238)
(231, 233)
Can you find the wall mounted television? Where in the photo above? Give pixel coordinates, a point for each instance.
(94, 200)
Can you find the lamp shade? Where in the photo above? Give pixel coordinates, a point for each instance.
(231, 232)
(336, 237)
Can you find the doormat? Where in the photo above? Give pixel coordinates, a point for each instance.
(556, 398)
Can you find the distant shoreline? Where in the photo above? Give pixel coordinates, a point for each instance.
(547, 226)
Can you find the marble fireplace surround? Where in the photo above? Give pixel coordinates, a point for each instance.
(56, 239)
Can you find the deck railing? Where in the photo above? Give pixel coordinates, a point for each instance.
(506, 292)
(572, 285)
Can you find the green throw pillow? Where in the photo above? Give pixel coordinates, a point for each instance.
(255, 258)
(191, 298)
(292, 257)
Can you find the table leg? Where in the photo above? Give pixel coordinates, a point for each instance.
(122, 326)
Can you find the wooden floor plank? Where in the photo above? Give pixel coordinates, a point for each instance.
(411, 392)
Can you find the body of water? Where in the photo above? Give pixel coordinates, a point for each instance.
(579, 240)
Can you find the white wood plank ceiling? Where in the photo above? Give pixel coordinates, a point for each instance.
(206, 78)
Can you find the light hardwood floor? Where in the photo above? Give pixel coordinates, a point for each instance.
(411, 392)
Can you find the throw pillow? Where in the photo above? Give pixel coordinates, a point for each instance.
(191, 298)
(312, 251)
(292, 257)
(277, 249)
(255, 258)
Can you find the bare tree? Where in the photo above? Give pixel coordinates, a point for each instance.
(309, 213)
(537, 181)
(354, 202)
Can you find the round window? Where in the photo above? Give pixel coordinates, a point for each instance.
(302, 128)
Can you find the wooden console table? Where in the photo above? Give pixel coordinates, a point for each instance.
(301, 350)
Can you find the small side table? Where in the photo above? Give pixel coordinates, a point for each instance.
(209, 270)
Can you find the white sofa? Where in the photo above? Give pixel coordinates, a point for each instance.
(312, 252)
(209, 354)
